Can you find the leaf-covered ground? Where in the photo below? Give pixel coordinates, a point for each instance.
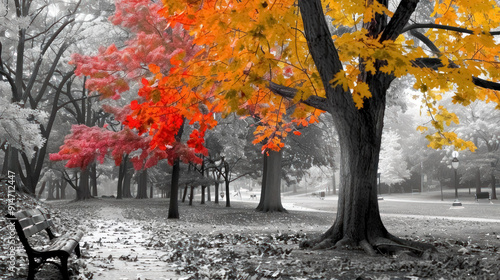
(131, 239)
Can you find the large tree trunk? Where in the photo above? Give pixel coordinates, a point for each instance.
(270, 198)
(358, 221)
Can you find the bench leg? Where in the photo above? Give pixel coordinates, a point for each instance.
(77, 250)
(31, 268)
(64, 267)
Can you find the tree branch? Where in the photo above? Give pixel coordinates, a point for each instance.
(399, 20)
(435, 63)
(319, 41)
(444, 27)
(289, 93)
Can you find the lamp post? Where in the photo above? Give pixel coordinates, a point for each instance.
(454, 163)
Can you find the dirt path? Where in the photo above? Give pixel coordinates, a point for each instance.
(117, 249)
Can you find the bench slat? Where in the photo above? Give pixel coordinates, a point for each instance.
(26, 222)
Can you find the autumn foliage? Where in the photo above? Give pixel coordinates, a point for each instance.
(194, 59)
(153, 119)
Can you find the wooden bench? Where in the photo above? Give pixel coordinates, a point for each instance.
(30, 222)
(482, 195)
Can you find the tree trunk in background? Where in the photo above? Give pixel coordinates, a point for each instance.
(334, 183)
(93, 178)
(151, 191)
(203, 188)
(121, 176)
(142, 184)
(42, 188)
(184, 195)
(50, 190)
(493, 186)
(209, 196)
(83, 191)
(58, 187)
(63, 186)
(217, 178)
(271, 194)
(191, 195)
(127, 178)
(173, 210)
(478, 180)
(226, 181)
(260, 206)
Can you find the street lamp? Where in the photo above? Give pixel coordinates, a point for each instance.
(454, 163)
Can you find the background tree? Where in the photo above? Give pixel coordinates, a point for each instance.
(392, 164)
(30, 71)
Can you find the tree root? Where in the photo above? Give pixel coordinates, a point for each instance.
(393, 245)
(367, 247)
(389, 245)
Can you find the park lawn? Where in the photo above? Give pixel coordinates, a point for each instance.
(214, 242)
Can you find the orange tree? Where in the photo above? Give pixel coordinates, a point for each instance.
(254, 47)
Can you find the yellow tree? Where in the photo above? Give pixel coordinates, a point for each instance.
(267, 56)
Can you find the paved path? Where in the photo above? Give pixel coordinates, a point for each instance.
(117, 250)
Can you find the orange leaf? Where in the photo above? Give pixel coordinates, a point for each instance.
(154, 68)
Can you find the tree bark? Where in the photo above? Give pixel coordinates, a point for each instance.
(121, 176)
(83, 191)
(184, 195)
(493, 186)
(478, 180)
(142, 185)
(173, 210)
(93, 178)
(50, 190)
(270, 200)
(42, 188)
(63, 186)
(203, 189)
(227, 181)
(191, 195)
